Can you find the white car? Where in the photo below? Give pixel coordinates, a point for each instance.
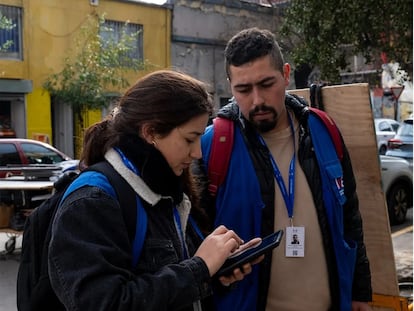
(397, 183)
(385, 129)
(401, 145)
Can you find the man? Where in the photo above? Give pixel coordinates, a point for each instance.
(295, 239)
(273, 182)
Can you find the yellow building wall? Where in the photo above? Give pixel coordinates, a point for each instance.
(39, 110)
(50, 28)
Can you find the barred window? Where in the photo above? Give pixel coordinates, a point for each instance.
(111, 32)
(11, 41)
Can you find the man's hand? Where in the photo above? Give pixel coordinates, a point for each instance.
(360, 306)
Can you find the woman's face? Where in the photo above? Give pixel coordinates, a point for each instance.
(182, 145)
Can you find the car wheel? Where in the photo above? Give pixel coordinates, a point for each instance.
(398, 201)
(383, 149)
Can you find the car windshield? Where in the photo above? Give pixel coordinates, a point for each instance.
(405, 129)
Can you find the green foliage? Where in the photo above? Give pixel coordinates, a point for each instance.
(322, 32)
(96, 67)
(6, 24)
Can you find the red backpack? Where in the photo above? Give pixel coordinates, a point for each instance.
(222, 146)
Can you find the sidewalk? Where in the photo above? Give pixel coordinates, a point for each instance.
(9, 264)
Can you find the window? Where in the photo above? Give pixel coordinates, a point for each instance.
(395, 126)
(10, 32)
(384, 126)
(111, 33)
(36, 154)
(9, 155)
(406, 129)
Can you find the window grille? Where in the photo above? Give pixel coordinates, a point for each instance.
(11, 32)
(111, 33)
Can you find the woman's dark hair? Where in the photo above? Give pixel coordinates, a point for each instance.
(250, 44)
(164, 99)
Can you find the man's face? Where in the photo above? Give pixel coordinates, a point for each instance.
(259, 89)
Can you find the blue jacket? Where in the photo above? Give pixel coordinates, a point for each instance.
(245, 216)
(250, 212)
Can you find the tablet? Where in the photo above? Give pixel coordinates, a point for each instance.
(248, 255)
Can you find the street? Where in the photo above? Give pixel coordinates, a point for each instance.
(402, 239)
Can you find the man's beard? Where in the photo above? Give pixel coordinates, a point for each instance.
(263, 126)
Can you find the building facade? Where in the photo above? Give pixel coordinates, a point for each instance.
(42, 36)
(201, 29)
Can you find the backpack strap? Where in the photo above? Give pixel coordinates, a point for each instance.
(124, 193)
(135, 218)
(332, 128)
(333, 199)
(221, 148)
(315, 95)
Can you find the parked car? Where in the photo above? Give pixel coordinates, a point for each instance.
(401, 145)
(19, 152)
(385, 129)
(397, 183)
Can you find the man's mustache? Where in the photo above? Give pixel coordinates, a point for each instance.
(261, 108)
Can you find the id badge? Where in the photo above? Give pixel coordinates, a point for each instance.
(295, 242)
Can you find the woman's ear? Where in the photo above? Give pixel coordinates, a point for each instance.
(147, 133)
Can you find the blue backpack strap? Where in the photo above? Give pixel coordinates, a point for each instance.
(196, 227)
(334, 199)
(103, 176)
(140, 232)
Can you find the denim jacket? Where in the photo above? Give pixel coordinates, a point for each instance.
(90, 257)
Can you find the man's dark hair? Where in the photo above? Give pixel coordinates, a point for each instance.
(250, 44)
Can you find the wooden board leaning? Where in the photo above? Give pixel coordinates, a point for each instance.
(350, 107)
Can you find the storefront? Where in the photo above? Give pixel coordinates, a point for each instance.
(12, 107)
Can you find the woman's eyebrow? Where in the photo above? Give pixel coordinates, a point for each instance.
(195, 133)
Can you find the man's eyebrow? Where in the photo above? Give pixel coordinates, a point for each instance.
(264, 80)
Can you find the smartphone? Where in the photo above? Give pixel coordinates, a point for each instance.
(248, 255)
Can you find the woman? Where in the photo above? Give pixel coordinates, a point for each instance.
(153, 132)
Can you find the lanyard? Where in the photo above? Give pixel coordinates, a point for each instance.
(177, 219)
(127, 162)
(288, 194)
(180, 232)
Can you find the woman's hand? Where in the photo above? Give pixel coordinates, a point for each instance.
(217, 246)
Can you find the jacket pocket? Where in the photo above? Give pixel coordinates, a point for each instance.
(346, 259)
(156, 254)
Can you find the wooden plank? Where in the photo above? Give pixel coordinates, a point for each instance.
(350, 107)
